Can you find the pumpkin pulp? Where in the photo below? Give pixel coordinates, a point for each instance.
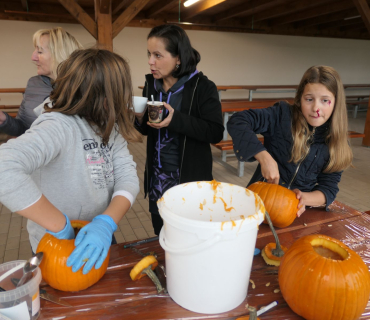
(329, 249)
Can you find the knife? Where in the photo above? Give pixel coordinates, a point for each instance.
(49, 297)
(45, 295)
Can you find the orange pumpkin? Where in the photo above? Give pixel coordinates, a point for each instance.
(280, 202)
(54, 268)
(322, 279)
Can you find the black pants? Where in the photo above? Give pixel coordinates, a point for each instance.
(157, 221)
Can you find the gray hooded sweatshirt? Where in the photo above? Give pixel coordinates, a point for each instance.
(63, 158)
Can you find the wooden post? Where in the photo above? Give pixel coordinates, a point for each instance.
(366, 139)
(103, 19)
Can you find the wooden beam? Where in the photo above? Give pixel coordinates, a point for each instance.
(249, 9)
(199, 8)
(160, 6)
(105, 6)
(338, 16)
(338, 24)
(364, 10)
(121, 4)
(353, 26)
(81, 16)
(104, 24)
(24, 5)
(313, 12)
(289, 7)
(126, 16)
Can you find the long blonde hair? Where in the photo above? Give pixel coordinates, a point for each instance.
(61, 45)
(96, 85)
(337, 137)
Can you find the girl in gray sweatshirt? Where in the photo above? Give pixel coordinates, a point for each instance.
(73, 163)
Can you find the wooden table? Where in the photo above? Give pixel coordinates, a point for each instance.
(115, 296)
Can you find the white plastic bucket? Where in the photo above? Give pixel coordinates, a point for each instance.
(209, 236)
(21, 303)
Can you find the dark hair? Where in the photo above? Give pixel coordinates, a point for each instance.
(177, 44)
(96, 85)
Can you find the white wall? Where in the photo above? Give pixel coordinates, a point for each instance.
(227, 58)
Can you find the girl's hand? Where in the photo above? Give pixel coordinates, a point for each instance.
(166, 121)
(302, 203)
(269, 167)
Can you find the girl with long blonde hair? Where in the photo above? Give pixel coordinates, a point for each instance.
(305, 146)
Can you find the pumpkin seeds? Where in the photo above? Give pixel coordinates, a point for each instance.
(267, 284)
(252, 282)
(276, 290)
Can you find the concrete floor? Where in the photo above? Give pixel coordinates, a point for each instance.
(354, 191)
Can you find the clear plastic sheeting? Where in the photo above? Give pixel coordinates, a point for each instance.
(116, 296)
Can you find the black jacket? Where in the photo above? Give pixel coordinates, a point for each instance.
(275, 125)
(199, 123)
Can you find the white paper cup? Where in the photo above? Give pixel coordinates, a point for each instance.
(139, 104)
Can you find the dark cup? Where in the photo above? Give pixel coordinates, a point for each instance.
(155, 111)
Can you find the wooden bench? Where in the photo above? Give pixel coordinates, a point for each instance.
(9, 107)
(356, 106)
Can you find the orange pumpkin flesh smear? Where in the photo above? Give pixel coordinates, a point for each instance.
(225, 206)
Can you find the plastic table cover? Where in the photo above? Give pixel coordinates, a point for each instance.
(115, 296)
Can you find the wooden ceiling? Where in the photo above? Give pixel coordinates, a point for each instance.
(319, 18)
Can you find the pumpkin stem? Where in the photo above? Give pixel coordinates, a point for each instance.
(252, 313)
(150, 273)
(278, 252)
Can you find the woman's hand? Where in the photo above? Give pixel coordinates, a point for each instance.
(140, 116)
(302, 203)
(166, 121)
(269, 167)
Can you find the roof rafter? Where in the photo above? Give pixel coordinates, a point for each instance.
(161, 6)
(326, 18)
(127, 15)
(249, 9)
(80, 15)
(313, 12)
(201, 7)
(364, 10)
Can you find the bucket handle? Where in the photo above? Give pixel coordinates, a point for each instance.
(194, 249)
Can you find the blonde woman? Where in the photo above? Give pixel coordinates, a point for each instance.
(305, 145)
(73, 163)
(52, 46)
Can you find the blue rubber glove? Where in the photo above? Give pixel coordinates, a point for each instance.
(66, 233)
(92, 244)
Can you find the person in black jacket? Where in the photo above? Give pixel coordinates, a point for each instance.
(178, 148)
(305, 145)
(52, 46)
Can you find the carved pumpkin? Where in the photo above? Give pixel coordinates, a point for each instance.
(280, 202)
(54, 263)
(322, 279)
